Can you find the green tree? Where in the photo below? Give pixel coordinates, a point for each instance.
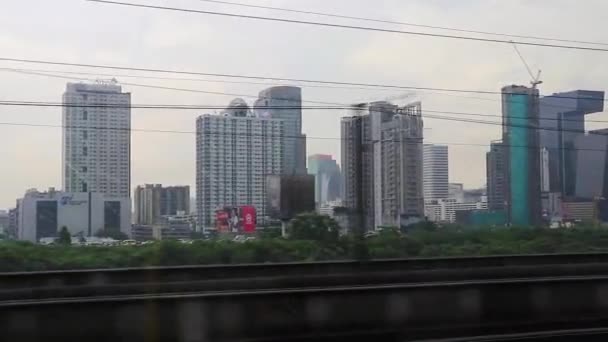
(64, 236)
(269, 233)
(312, 226)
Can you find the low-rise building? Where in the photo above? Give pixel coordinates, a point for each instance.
(444, 210)
(178, 226)
(579, 210)
(43, 214)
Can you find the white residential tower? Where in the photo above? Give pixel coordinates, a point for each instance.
(97, 139)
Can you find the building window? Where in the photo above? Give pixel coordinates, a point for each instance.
(85, 187)
(84, 169)
(85, 115)
(85, 135)
(85, 151)
(46, 219)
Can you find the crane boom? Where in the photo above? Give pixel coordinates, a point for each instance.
(535, 80)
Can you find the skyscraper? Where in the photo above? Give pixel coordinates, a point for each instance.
(285, 102)
(382, 163)
(521, 145)
(234, 154)
(435, 171)
(591, 165)
(496, 176)
(328, 179)
(152, 201)
(96, 139)
(562, 117)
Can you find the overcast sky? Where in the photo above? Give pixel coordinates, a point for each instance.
(84, 32)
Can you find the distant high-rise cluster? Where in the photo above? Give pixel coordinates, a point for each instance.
(153, 201)
(382, 163)
(237, 149)
(328, 179)
(546, 162)
(546, 168)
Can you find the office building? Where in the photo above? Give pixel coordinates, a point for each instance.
(382, 163)
(591, 167)
(328, 179)
(43, 214)
(521, 145)
(285, 102)
(4, 221)
(94, 159)
(13, 221)
(496, 176)
(435, 171)
(562, 117)
(234, 154)
(153, 201)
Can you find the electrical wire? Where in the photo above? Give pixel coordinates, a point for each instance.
(370, 85)
(42, 71)
(27, 72)
(219, 107)
(191, 107)
(353, 27)
(334, 15)
(147, 130)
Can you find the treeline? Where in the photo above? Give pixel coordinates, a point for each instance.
(312, 239)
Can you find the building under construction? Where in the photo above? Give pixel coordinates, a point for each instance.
(520, 137)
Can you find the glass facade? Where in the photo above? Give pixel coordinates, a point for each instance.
(521, 144)
(111, 212)
(518, 166)
(46, 219)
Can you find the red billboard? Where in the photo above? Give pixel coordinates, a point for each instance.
(222, 220)
(235, 220)
(248, 219)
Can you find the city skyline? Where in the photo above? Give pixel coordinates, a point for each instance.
(154, 39)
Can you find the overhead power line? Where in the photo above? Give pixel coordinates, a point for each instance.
(335, 15)
(147, 130)
(54, 74)
(51, 73)
(353, 27)
(44, 71)
(200, 107)
(338, 107)
(341, 107)
(371, 85)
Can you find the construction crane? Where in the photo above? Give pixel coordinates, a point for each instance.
(535, 79)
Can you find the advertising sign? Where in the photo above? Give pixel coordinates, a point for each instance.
(248, 219)
(222, 220)
(235, 220)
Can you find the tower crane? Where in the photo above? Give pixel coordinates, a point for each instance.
(535, 80)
